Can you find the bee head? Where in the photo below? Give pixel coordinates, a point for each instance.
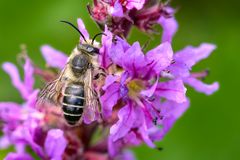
(88, 48)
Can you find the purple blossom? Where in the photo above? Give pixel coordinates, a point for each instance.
(139, 88)
(142, 95)
(140, 83)
(22, 120)
(121, 15)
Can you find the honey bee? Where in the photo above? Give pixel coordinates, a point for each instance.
(73, 89)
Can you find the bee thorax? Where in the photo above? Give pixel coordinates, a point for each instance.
(79, 65)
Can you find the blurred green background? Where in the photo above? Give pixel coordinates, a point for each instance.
(210, 128)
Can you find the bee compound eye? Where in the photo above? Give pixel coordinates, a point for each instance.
(94, 50)
(90, 49)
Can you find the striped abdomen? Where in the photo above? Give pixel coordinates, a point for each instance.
(73, 103)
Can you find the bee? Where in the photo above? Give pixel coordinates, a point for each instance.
(73, 88)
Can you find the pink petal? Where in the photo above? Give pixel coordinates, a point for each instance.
(138, 4)
(161, 56)
(10, 112)
(126, 155)
(117, 54)
(24, 134)
(32, 99)
(109, 99)
(191, 55)
(105, 50)
(124, 43)
(132, 139)
(169, 26)
(149, 92)
(53, 57)
(171, 108)
(117, 10)
(91, 114)
(114, 147)
(171, 111)
(110, 79)
(4, 142)
(12, 70)
(134, 60)
(143, 129)
(83, 29)
(126, 118)
(28, 75)
(199, 86)
(172, 90)
(55, 144)
(179, 69)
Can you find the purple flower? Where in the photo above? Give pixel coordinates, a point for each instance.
(141, 95)
(22, 120)
(150, 107)
(120, 15)
(139, 88)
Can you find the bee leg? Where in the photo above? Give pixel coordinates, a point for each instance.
(100, 72)
(97, 76)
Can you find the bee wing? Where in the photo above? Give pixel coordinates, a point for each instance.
(52, 91)
(92, 110)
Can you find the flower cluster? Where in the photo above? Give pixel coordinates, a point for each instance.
(141, 97)
(22, 122)
(148, 89)
(121, 15)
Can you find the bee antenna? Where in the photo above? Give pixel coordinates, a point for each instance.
(69, 23)
(97, 36)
